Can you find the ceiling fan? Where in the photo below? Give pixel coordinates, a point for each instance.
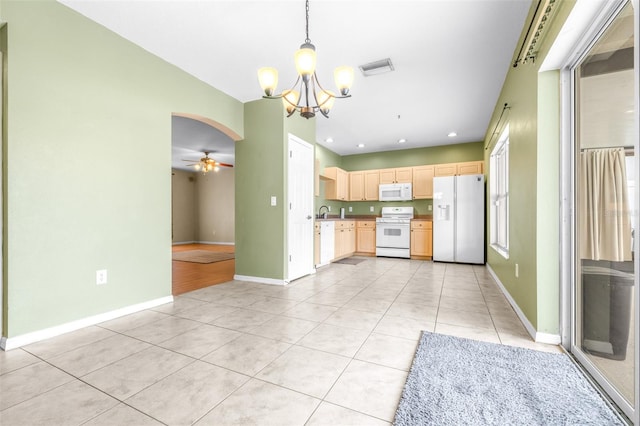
(206, 164)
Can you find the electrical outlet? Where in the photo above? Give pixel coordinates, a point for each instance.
(430, 207)
(371, 209)
(274, 201)
(329, 208)
(350, 209)
(101, 276)
(517, 271)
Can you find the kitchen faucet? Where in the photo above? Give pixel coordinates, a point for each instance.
(324, 216)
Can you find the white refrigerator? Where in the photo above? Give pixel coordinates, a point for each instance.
(458, 219)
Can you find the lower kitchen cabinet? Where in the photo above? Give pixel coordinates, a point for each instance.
(422, 238)
(345, 238)
(366, 236)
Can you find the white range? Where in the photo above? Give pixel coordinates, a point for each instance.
(393, 232)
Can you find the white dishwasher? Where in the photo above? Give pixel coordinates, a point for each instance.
(327, 241)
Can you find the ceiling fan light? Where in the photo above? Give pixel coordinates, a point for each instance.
(343, 77)
(196, 166)
(305, 60)
(268, 78)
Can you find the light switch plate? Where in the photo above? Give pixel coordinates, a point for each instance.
(371, 209)
(273, 201)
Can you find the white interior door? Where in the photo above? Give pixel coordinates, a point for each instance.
(300, 208)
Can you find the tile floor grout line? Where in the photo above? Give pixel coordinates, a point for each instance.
(353, 358)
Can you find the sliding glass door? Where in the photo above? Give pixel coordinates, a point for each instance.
(606, 209)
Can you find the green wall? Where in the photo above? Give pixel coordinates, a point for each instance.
(327, 158)
(534, 128)
(261, 172)
(414, 157)
(401, 158)
(87, 155)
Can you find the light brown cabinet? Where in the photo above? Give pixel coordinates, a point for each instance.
(446, 169)
(423, 182)
(337, 184)
(422, 238)
(345, 238)
(366, 236)
(396, 175)
(371, 182)
(465, 168)
(471, 168)
(363, 185)
(356, 186)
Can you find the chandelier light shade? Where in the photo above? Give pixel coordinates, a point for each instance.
(306, 96)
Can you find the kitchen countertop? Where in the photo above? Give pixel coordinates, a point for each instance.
(370, 217)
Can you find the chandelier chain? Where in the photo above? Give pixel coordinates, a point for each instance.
(307, 40)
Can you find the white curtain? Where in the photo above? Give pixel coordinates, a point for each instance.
(605, 227)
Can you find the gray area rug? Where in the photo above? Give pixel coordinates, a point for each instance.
(455, 381)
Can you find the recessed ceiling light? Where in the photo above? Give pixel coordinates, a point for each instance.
(329, 140)
(402, 140)
(360, 145)
(452, 134)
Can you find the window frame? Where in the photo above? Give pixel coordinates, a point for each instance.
(499, 195)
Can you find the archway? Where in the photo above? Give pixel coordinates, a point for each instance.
(202, 204)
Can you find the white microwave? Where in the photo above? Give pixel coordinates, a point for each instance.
(394, 192)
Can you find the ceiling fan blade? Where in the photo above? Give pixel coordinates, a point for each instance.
(224, 164)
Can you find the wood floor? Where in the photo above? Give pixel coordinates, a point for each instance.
(188, 276)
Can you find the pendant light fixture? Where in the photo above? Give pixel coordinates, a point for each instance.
(306, 96)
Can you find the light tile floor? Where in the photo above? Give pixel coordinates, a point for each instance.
(329, 349)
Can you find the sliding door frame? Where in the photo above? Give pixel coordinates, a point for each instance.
(568, 155)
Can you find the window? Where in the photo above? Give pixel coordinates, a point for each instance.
(499, 187)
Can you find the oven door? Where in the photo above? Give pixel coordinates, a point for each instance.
(393, 239)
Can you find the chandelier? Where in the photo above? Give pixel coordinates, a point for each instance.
(310, 97)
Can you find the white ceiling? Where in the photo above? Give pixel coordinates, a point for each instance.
(450, 58)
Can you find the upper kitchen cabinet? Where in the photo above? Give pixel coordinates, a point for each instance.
(337, 184)
(453, 169)
(471, 168)
(423, 182)
(356, 186)
(363, 185)
(397, 175)
(371, 182)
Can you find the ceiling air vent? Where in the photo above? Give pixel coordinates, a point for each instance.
(377, 67)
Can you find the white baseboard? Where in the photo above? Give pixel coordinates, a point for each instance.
(548, 338)
(218, 243)
(261, 280)
(36, 336)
